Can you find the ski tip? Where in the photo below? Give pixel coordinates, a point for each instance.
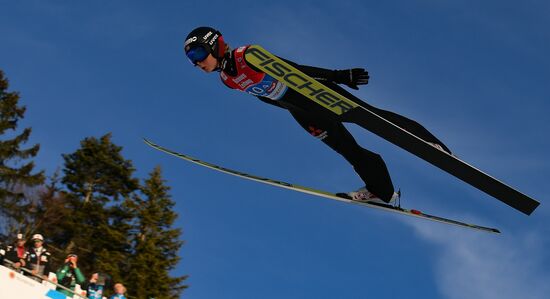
(147, 141)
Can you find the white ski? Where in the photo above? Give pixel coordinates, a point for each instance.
(325, 194)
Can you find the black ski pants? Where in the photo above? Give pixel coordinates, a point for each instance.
(326, 126)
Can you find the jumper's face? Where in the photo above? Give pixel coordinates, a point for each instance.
(200, 56)
(209, 64)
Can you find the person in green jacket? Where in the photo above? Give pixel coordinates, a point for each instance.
(69, 275)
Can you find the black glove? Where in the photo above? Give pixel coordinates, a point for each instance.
(352, 77)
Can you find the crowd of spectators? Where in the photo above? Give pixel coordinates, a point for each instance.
(35, 262)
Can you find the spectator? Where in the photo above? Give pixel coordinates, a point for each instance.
(69, 275)
(96, 286)
(38, 259)
(120, 290)
(16, 254)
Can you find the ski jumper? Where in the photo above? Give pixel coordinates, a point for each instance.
(236, 73)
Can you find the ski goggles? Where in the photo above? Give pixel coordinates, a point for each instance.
(197, 54)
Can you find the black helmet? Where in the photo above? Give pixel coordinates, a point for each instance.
(203, 41)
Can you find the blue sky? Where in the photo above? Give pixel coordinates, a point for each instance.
(475, 73)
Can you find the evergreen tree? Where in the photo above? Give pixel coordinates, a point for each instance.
(16, 171)
(45, 209)
(48, 214)
(97, 177)
(98, 170)
(156, 243)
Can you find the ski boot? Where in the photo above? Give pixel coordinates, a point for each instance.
(364, 195)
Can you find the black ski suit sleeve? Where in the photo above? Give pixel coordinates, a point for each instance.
(316, 73)
(352, 78)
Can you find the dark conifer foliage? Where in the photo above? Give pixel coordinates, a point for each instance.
(156, 243)
(17, 171)
(99, 181)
